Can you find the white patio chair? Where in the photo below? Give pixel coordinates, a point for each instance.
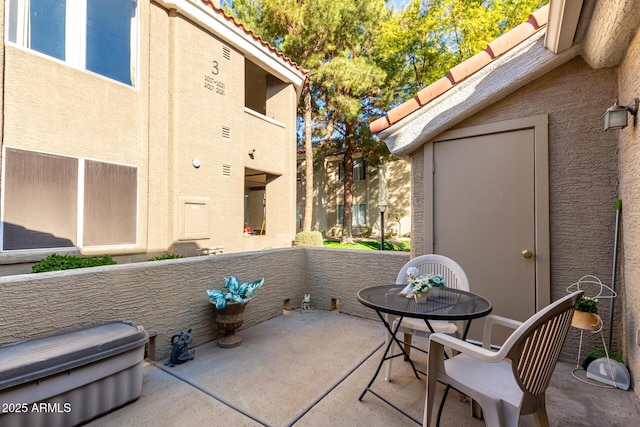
(511, 381)
(454, 277)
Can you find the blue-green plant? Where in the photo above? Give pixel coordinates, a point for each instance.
(234, 291)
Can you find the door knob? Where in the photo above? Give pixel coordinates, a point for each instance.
(526, 253)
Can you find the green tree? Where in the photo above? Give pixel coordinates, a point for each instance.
(334, 40)
(364, 58)
(421, 43)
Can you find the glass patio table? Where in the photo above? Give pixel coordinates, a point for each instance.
(445, 304)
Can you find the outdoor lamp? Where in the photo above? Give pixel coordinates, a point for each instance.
(616, 116)
(382, 207)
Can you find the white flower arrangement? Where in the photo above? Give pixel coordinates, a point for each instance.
(420, 285)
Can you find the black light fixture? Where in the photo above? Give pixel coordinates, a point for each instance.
(616, 116)
(382, 207)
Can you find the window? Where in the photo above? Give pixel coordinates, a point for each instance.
(359, 170)
(110, 203)
(53, 201)
(40, 200)
(359, 214)
(95, 35)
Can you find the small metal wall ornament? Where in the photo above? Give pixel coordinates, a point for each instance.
(180, 353)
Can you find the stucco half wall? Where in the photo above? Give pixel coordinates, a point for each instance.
(167, 297)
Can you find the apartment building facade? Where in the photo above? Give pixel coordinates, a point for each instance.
(389, 182)
(139, 127)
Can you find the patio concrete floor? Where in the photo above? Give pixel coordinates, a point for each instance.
(308, 368)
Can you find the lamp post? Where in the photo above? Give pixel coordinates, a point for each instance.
(382, 207)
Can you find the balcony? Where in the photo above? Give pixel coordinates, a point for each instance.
(308, 368)
(294, 367)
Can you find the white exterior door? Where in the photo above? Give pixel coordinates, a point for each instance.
(486, 212)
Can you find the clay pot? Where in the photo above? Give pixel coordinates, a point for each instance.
(586, 321)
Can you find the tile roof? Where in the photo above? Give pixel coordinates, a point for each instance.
(537, 20)
(253, 35)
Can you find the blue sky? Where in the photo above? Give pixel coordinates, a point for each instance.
(397, 3)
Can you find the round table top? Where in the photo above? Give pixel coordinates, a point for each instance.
(444, 304)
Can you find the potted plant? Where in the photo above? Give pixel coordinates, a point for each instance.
(586, 315)
(229, 307)
(421, 285)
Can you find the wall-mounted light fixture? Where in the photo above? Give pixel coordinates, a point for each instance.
(252, 153)
(616, 116)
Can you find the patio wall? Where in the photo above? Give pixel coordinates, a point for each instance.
(168, 297)
(629, 176)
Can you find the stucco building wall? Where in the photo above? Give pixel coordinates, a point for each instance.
(583, 172)
(629, 176)
(186, 107)
(390, 181)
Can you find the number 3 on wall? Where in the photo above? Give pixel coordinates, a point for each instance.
(215, 70)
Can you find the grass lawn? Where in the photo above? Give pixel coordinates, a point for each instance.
(371, 245)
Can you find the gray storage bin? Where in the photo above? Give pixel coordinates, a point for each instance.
(71, 377)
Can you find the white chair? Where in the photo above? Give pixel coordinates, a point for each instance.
(454, 277)
(511, 381)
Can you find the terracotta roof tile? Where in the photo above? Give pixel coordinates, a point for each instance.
(253, 35)
(471, 65)
(378, 125)
(540, 17)
(507, 41)
(537, 20)
(403, 110)
(435, 89)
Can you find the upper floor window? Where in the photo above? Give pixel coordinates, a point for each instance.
(359, 171)
(95, 35)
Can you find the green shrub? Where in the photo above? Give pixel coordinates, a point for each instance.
(366, 231)
(55, 262)
(308, 238)
(588, 305)
(165, 256)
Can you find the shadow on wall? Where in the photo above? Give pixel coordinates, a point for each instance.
(16, 237)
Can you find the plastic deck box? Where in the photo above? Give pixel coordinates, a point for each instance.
(71, 377)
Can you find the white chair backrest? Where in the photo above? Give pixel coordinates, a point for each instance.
(535, 346)
(454, 275)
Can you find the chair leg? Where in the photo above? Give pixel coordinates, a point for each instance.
(476, 409)
(434, 361)
(407, 345)
(540, 416)
(392, 351)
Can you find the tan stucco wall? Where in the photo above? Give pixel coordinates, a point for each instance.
(583, 172)
(167, 297)
(629, 175)
(168, 120)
